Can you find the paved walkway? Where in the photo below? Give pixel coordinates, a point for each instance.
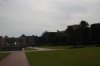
(16, 58)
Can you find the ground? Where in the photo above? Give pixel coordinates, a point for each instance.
(3, 55)
(16, 58)
(89, 56)
(57, 56)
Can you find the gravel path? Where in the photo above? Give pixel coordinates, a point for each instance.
(42, 49)
(34, 49)
(16, 58)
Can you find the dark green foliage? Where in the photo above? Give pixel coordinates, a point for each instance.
(95, 33)
(78, 34)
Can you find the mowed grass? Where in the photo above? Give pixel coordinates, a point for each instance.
(68, 57)
(27, 49)
(3, 55)
(55, 47)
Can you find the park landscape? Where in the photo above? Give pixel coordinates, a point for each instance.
(49, 33)
(78, 45)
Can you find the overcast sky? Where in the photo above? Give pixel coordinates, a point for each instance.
(33, 17)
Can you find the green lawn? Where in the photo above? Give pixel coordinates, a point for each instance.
(68, 57)
(3, 55)
(27, 49)
(55, 47)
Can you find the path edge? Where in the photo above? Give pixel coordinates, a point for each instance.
(27, 59)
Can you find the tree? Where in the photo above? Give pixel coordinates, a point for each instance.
(71, 35)
(85, 32)
(23, 35)
(95, 33)
(83, 23)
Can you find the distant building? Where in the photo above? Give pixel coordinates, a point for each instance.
(25, 41)
(1, 41)
(22, 41)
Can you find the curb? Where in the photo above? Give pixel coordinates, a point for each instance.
(27, 59)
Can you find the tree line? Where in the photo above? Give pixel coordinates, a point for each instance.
(76, 35)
